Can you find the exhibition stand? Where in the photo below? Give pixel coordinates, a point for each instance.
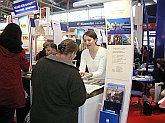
(108, 103)
(119, 59)
(118, 81)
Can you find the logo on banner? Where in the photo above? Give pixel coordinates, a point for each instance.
(78, 0)
(88, 23)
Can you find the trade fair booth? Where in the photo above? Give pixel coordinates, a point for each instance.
(117, 88)
(117, 34)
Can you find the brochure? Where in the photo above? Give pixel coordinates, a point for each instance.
(115, 92)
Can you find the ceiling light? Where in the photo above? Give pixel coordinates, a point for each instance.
(155, 1)
(139, 4)
(4, 16)
(1, 1)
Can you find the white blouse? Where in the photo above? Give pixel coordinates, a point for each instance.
(96, 66)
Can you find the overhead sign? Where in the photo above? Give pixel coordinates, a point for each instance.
(64, 27)
(24, 6)
(78, 3)
(2, 26)
(77, 0)
(100, 22)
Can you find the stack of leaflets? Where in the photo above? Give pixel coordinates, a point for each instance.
(114, 97)
(108, 116)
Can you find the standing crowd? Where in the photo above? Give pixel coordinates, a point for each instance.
(57, 86)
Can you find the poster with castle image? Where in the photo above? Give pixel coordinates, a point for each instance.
(115, 92)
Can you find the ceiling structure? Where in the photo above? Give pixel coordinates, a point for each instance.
(56, 6)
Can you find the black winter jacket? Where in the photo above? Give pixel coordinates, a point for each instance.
(58, 91)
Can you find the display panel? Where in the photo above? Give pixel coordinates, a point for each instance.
(152, 37)
(80, 33)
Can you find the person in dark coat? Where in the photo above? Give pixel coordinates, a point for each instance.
(160, 77)
(12, 61)
(42, 53)
(58, 90)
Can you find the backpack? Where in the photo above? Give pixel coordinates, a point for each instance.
(147, 108)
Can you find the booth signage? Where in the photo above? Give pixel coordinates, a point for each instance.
(64, 27)
(88, 23)
(78, 0)
(24, 6)
(151, 26)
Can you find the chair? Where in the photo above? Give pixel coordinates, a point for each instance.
(137, 90)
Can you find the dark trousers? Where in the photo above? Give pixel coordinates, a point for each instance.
(7, 115)
(22, 112)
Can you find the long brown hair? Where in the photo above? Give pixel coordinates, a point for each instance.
(161, 62)
(91, 34)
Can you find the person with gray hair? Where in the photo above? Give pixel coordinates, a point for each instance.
(58, 90)
(50, 48)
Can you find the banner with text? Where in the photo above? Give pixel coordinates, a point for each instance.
(24, 6)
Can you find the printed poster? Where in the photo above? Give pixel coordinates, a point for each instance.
(119, 31)
(117, 9)
(24, 23)
(119, 62)
(119, 26)
(115, 92)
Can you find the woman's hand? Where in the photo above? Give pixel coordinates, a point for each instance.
(82, 74)
(86, 74)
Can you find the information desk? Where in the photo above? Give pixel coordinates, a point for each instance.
(90, 111)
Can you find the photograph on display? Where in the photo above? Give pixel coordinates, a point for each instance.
(119, 26)
(25, 37)
(115, 92)
(119, 39)
(152, 38)
(43, 13)
(80, 33)
(25, 41)
(24, 24)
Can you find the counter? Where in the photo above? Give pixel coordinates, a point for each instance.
(90, 111)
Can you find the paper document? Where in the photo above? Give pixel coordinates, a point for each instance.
(162, 100)
(157, 92)
(92, 88)
(162, 103)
